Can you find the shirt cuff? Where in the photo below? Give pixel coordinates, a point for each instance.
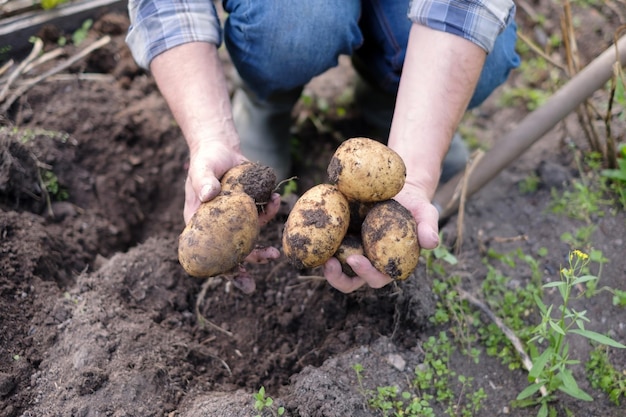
(479, 21)
(158, 25)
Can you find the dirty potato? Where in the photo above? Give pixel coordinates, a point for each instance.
(254, 179)
(316, 226)
(219, 235)
(366, 170)
(389, 234)
(351, 245)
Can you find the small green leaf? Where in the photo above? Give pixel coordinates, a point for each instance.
(540, 304)
(568, 380)
(584, 278)
(576, 393)
(556, 327)
(540, 364)
(600, 338)
(555, 284)
(528, 391)
(543, 410)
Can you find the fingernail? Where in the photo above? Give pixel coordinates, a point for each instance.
(205, 192)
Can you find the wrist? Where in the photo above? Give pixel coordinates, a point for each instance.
(207, 137)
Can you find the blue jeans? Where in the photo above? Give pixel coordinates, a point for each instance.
(278, 46)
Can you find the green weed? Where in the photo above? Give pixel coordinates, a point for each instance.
(580, 238)
(603, 375)
(511, 300)
(54, 189)
(619, 298)
(263, 402)
(617, 178)
(581, 202)
(530, 184)
(434, 384)
(549, 347)
(80, 34)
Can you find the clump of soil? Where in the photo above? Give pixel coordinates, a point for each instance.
(254, 179)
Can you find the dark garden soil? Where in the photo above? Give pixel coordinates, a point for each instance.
(97, 318)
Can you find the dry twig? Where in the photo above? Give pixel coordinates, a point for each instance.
(517, 344)
(60, 67)
(6, 67)
(34, 53)
(463, 197)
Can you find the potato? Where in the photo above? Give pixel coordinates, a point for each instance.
(389, 234)
(366, 170)
(316, 226)
(220, 234)
(351, 245)
(256, 180)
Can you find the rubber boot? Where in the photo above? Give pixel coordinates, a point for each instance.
(455, 160)
(377, 108)
(263, 127)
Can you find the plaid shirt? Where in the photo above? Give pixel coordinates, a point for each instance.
(479, 21)
(159, 25)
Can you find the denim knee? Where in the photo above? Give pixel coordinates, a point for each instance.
(280, 45)
(498, 65)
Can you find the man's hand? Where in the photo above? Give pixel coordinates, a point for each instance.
(425, 215)
(192, 80)
(208, 162)
(438, 78)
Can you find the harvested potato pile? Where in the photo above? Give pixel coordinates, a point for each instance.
(355, 214)
(223, 231)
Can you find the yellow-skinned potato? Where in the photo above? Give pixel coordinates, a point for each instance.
(366, 170)
(219, 235)
(389, 234)
(316, 226)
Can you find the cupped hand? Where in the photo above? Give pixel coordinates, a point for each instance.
(427, 219)
(207, 163)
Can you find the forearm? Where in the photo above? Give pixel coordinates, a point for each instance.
(196, 93)
(439, 76)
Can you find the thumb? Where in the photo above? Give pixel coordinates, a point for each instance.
(203, 181)
(195, 195)
(209, 188)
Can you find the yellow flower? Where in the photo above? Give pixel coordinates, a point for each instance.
(579, 254)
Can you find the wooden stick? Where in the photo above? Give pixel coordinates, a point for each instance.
(533, 127)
